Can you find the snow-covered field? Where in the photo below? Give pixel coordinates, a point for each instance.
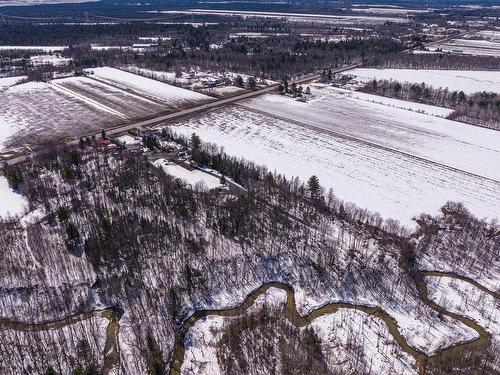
(395, 185)
(10, 81)
(470, 47)
(396, 103)
(469, 81)
(35, 112)
(468, 148)
(46, 49)
(11, 203)
(195, 178)
(296, 17)
(125, 103)
(149, 88)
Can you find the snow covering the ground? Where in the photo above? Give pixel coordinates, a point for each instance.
(148, 87)
(35, 112)
(55, 60)
(465, 299)
(469, 148)
(193, 178)
(469, 81)
(403, 104)
(351, 327)
(128, 140)
(393, 184)
(469, 47)
(34, 48)
(223, 90)
(300, 17)
(10, 81)
(417, 323)
(201, 352)
(11, 203)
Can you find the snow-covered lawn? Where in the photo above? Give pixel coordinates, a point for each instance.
(150, 88)
(468, 81)
(193, 178)
(395, 185)
(468, 148)
(11, 203)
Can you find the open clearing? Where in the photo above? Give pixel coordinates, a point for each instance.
(469, 81)
(394, 184)
(468, 148)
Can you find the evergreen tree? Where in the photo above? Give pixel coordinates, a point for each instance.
(314, 187)
(194, 142)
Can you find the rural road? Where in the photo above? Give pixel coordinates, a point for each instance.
(176, 115)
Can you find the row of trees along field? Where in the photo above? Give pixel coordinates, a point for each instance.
(481, 108)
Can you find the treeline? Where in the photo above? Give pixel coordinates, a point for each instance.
(276, 187)
(273, 57)
(481, 108)
(436, 61)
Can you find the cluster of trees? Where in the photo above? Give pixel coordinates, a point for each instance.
(482, 108)
(434, 61)
(282, 347)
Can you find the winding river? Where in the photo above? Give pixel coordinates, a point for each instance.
(112, 348)
(423, 360)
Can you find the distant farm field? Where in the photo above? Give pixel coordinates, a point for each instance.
(469, 81)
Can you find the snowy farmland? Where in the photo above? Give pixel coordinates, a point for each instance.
(37, 112)
(396, 185)
(469, 81)
(474, 47)
(149, 88)
(386, 122)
